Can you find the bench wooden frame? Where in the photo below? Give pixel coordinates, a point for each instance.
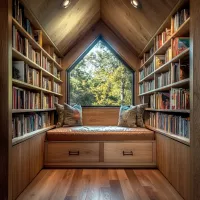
(96, 154)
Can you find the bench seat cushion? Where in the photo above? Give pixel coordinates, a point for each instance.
(99, 133)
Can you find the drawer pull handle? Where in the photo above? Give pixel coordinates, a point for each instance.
(73, 153)
(125, 153)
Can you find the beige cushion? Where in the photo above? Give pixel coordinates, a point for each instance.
(140, 114)
(60, 111)
(72, 115)
(127, 116)
(99, 133)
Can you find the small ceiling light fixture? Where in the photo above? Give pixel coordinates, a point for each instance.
(66, 3)
(136, 3)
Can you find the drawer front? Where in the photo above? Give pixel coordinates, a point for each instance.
(128, 152)
(72, 152)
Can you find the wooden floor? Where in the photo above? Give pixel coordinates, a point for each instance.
(87, 184)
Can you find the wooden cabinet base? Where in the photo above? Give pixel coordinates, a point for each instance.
(128, 154)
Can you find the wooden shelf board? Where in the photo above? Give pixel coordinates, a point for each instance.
(51, 92)
(25, 85)
(148, 77)
(161, 28)
(34, 43)
(177, 84)
(49, 74)
(170, 135)
(32, 110)
(30, 135)
(167, 110)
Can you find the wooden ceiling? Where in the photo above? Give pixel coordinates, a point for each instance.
(135, 27)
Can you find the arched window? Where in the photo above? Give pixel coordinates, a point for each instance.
(100, 78)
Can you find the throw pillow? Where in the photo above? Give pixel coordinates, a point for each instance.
(127, 116)
(60, 111)
(140, 114)
(72, 115)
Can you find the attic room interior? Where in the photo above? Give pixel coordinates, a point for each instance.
(100, 100)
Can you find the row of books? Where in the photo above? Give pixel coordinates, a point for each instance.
(178, 19)
(180, 44)
(22, 45)
(19, 15)
(27, 123)
(147, 86)
(162, 38)
(23, 72)
(46, 64)
(46, 83)
(168, 54)
(49, 101)
(57, 88)
(141, 73)
(176, 99)
(179, 71)
(159, 61)
(149, 69)
(24, 99)
(56, 58)
(56, 73)
(164, 79)
(172, 124)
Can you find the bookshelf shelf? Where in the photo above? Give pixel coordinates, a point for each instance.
(167, 110)
(25, 85)
(172, 136)
(51, 92)
(183, 29)
(27, 136)
(34, 43)
(148, 77)
(32, 110)
(177, 84)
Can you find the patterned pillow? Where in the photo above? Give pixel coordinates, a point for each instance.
(140, 114)
(127, 116)
(60, 111)
(72, 115)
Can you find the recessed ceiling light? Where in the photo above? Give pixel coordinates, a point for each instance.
(65, 3)
(135, 3)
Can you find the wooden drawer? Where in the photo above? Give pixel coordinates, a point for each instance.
(128, 152)
(72, 152)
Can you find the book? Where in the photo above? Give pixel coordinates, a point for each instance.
(38, 36)
(159, 61)
(18, 70)
(57, 88)
(164, 79)
(46, 83)
(180, 44)
(168, 54)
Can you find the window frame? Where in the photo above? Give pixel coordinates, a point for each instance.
(99, 38)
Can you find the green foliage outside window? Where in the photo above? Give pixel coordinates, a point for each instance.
(100, 79)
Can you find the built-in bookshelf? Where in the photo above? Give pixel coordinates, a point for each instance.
(36, 76)
(164, 79)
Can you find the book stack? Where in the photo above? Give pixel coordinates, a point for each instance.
(173, 124)
(179, 72)
(56, 73)
(46, 83)
(141, 74)
(178, 19)
(180, 99)
(23, 99)
(149, 69)
(56, 88)
(55, 57)
(46, 64)
(159, 61)
(180, 44)
(160, 100)
(148, 85)
(168, 54)
(23, 124)
(22, 72)
(164, 79)
(162, 38)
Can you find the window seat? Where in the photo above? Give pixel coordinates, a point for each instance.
(99, 133)
(100, 147)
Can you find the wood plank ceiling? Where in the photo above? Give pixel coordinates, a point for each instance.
(134, 26)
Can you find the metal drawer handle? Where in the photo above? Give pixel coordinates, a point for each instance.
(74, 153)
(125, 153)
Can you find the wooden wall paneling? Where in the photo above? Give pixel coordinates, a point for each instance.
(5, 100)
(99, 29)
(65, 26)
(173, 160)
(194, 98)
(100, 116)
(20, 168)
(36, 155)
